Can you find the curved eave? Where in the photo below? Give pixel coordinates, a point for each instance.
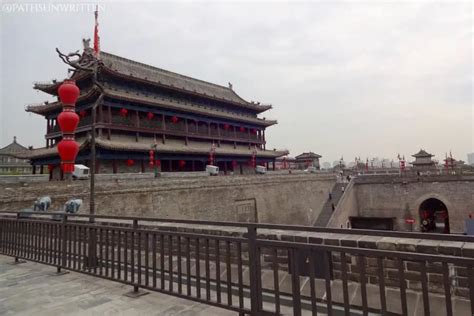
(52, 87)
(44, 109)
(244, 104)
(145, 147)
(46, 152)
(184, 108)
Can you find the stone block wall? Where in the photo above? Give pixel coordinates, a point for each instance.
(390, 195)
(285, 198)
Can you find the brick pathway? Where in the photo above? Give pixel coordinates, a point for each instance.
(31, 289)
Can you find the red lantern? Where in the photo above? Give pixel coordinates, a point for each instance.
(68, 150)
(152, 163)
(158, 163)
(174, 119)
(50, 168)
(242, 129)
(182, 163)
(82, 113)
(130, 162)
(150, 115)
(68, 121)
(226, 126)
(68, 92)
(123, 112)
(234, 163)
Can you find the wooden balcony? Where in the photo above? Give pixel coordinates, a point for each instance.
(156, 127)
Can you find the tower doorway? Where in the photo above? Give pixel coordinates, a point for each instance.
(434, 216)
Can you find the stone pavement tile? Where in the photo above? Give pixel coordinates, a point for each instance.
(394, 302)
(373, 296)
(320, 286)
(461, 307)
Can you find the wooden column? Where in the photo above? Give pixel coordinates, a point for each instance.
(100, 117)
(34, 169)
(264, 142)
(143, 165)
(225, 167)
(209, 129)
(170, 165)
(114, 166)
(163, 123)
(101, 113)
(41, 169)
(193, 167)
(109, 109)
(274, 160)
(186, 129)
(137, 119)
(97, 166)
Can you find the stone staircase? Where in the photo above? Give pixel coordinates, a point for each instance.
(326, 212)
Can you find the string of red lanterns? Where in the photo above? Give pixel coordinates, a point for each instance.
(152, 158)
(130, 162)
(174, 119)
(68, 120)
(150, 115)
(182, 164)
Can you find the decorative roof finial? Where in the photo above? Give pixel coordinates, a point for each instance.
(14, 139)
(86, 43)
(230, 86)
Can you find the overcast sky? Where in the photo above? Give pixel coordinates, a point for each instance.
(350, 78)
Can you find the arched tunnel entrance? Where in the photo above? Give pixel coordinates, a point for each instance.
(434, 216)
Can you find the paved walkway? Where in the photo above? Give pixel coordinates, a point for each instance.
(31, 289)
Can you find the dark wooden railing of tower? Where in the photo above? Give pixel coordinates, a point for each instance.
(240, 270)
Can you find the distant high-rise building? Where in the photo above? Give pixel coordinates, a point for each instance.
(470, 159)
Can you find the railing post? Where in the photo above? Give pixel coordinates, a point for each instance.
(254, 271)
(17, 240)
(62, 259)
(136, 289)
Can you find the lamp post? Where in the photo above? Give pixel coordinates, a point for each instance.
(154, 158)
(88, 62)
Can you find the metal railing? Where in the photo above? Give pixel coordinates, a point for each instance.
(232, 266)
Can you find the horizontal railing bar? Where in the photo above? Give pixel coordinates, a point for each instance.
(149, 231)
(300, 228)
(366, 251)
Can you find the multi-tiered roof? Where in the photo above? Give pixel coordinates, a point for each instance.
(143, 88)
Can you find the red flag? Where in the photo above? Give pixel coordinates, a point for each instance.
(96, 33)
